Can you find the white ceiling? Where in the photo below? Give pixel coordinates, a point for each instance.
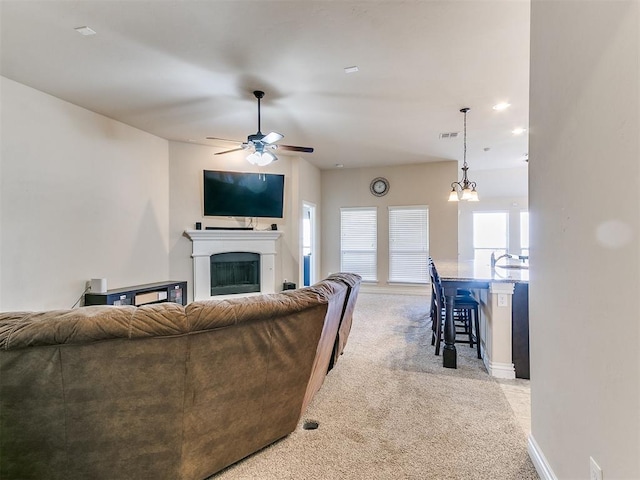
(185, 70)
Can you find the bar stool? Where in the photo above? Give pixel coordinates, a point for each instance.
(433, 273)
(465, 314)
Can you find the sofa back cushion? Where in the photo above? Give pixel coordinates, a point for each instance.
(245, 385)
(107, 409)
(82, 391)
(90, 324)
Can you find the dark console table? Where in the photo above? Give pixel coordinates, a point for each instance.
(137, 295)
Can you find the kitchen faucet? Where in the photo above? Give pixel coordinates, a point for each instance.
(494, 260)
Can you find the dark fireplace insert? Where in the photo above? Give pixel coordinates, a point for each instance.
(235, 272)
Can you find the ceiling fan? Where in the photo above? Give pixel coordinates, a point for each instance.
(260, 145)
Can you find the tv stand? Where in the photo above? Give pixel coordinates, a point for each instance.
(138, 295)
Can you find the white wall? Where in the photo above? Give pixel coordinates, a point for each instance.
(187, 162)
(2, 83)
(421, 184)
(82, 197)
(585, 247)
(503, 182)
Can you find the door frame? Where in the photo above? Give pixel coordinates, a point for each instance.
(313, 264)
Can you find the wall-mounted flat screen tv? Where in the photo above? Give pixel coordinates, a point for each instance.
(242, 194)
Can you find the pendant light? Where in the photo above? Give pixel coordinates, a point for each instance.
(464, 189)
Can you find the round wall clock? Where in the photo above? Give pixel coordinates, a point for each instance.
(379, 186)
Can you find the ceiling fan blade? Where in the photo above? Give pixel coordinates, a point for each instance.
(229, 151)
(223, 140)
(272, 137)
(293, 148)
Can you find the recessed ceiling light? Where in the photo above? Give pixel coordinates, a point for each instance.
(339, 165)
(518, 131)
(85, 31)
(352, 69)
(501, 106)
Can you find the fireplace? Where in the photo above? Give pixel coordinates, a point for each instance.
(208, 243)
(235, 272)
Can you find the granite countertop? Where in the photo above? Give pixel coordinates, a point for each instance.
(505, 271)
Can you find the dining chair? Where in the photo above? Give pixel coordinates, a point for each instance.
(465, 314)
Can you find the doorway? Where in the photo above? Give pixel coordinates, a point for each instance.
(308, 244)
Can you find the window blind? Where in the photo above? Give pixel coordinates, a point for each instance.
(358, 242)
(409, 244)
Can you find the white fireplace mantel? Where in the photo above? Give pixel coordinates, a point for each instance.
(211, 242)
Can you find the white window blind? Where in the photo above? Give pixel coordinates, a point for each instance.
(409, 244)
(358, 242)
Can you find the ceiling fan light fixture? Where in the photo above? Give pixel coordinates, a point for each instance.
(268, 157)
(253, 158)
(261, 159)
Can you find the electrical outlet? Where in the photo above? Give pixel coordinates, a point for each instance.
(596, 471)
(502, 300)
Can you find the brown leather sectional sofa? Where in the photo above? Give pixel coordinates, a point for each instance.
(163, 391)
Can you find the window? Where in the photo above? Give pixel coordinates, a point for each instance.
(358, 242)
(524, 233)
(490, 234)
(408, 244)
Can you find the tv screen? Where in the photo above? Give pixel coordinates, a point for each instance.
(238, 194)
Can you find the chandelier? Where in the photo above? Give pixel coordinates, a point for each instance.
(464, 189)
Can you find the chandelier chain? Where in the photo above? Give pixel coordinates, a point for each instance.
(464, 155)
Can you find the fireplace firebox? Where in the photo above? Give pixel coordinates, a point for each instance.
(235, 272)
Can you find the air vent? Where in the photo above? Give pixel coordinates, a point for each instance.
(85, 31)
(449, 135)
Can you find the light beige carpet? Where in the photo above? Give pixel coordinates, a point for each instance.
(389, 410)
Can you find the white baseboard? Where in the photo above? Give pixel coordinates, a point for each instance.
(539, 460)
(499, 370)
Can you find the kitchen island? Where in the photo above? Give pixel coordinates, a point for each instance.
(503, 293)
